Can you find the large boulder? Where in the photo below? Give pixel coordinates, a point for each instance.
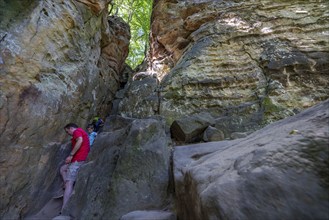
(54, 69)
(213, 134)
(128, 171)
(278, 172)
(204, 126)
(190, 128)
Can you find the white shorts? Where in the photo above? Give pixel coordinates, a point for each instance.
(72, 170)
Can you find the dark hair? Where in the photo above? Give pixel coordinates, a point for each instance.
(91, 126)
(70, 125)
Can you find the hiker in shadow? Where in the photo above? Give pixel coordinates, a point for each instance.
(77, 157)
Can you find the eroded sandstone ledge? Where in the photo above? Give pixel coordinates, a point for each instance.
(60, 61)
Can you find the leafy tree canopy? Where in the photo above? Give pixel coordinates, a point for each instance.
(137, 14)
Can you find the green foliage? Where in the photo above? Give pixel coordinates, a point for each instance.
(269, 106)
(137, 14)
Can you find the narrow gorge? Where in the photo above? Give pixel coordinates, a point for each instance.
(227, 118)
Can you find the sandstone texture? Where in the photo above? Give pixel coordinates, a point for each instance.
(190, 128)
(128, 170)
(140, 93)
(60, 62)
(149, 215)
(217, 70)
(258, 61)
(213, 134)
(278, 172)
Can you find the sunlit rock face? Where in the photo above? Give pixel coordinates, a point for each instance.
(96, 6)
(56, 67)
(263, 60)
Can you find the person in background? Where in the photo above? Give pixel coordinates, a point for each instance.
(98, 124)
(91, 134)
(77, 157)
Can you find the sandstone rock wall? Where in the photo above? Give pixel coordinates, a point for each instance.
(126, 171)
(269, 55)
(262, 60)
(60, 62)
(241, 62)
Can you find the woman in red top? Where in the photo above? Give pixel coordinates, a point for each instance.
(79, 153)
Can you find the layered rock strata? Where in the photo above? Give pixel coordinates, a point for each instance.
(60, 62)
(272, 62)
(259, 60)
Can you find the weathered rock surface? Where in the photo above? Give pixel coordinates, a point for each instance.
(191, 128)
(258, 60)
(278, 172)
(140, 93)
(244, 63)
(269, 63)
(96, 6)
(204, 126)
(60, 61)
(149, 215)
(128, 171)
(213, 134)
